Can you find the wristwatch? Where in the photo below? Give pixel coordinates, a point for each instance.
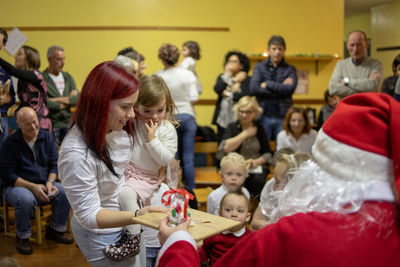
(346, 80)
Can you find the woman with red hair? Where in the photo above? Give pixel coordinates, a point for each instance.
(93, 158)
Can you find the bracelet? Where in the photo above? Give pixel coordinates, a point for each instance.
(136, 212)
(51, 180)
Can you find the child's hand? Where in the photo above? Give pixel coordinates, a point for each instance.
(240, 77)
(151, 130)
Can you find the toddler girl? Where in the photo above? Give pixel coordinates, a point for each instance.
(191, 53)
(155, 148)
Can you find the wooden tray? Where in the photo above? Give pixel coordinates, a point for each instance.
(205, 224)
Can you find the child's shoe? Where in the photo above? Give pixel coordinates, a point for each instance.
(127, 246)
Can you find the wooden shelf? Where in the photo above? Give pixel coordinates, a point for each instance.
(315, 59)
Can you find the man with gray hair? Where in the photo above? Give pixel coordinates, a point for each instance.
(358, 73)
(61, 92)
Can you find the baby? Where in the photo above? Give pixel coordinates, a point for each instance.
(233, 174)
(235, 206)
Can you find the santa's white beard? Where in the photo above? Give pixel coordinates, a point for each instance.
(313, 189)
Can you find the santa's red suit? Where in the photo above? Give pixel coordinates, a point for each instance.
(311, 239)
(344, 217)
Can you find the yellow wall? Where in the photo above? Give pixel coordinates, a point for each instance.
(358, 22)
(308, 26)
(385, 21)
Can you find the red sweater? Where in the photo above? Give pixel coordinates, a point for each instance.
(216, 246)
(311, 239)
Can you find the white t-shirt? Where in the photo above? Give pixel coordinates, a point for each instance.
(182, 85)
(303, 144)
(214, 198)
(188, 63)
(59, 81)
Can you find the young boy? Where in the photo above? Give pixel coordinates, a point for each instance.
(235, 206)
(233, 173)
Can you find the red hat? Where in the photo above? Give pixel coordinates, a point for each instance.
(361, 139)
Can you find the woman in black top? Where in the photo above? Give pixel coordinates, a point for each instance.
(230, 87)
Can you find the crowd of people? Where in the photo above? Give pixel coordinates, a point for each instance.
(126, 134)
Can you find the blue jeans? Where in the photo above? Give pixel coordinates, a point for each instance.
(59, 134)
(4, 129)
(24, 203)
(186, 139)
(272, 126)
(151, 256)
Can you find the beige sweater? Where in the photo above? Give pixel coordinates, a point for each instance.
(359, 75)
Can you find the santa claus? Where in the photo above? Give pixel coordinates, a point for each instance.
(338, 210)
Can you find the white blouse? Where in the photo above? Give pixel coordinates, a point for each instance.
(303, 144)
(87, 182)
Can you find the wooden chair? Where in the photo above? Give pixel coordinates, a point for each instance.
(42, 213)
(207, 175)
(202, 196)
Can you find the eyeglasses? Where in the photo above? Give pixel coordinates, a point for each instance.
(247, 112)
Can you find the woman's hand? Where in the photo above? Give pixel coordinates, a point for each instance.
(165, 231)
(251, 131)
(251, 164)
(150, 209)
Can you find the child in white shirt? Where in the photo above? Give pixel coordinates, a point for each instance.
(233, 173)
(155, 146)
(191, 53)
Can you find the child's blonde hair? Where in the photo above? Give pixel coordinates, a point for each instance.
(237, 193)
(292, 163)
(152, 91)
(235, 159)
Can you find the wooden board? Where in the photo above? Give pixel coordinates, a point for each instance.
(205, 224)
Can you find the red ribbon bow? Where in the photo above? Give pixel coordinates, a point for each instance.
(180, 191)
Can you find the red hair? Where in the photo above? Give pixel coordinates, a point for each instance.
(106, 82)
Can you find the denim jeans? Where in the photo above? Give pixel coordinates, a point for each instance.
(151, 256)
(92, 245)
(272, 126)
(59, 134)
(186, 139)
(4, 129)
(24, 203)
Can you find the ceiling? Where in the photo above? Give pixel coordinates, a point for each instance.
(354, 7)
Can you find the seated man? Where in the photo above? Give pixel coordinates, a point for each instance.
(28, 169)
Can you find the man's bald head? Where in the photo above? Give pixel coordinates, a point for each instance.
(27, 121)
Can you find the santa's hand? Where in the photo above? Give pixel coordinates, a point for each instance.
(165, 231)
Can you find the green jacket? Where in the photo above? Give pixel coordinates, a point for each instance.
(60, 118)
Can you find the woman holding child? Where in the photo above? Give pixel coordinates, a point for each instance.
(230, 87)
(248, 138)
(98, 148)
